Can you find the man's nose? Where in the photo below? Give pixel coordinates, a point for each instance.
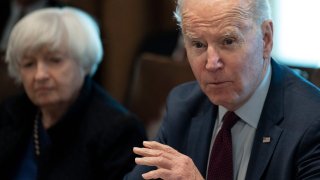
(213, 59)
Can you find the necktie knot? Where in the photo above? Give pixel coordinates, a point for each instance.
(229, 120)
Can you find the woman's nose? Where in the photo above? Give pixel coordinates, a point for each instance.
(41, 71)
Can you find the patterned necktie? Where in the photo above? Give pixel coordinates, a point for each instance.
(220, 165)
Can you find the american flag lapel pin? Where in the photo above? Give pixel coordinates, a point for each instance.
(266, 139)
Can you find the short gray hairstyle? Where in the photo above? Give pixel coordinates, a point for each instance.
(54, 27)
(260, 10)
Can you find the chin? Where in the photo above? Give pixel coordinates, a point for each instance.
(45, 102)
(218, 101)
(225, 101)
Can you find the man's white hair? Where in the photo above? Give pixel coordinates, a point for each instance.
(259, 9)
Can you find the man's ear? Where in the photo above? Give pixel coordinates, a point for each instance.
(267, 33)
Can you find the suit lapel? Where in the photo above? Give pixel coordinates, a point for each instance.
(268, 131)
(200, 136)
(262, 149)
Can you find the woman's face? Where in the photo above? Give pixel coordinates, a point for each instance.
(51, 78)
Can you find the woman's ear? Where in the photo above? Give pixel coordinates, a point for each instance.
(267, 32)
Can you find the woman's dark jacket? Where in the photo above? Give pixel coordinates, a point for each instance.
(93, 140)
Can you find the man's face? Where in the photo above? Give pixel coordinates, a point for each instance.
(225, 49)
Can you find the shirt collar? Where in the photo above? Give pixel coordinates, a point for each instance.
(250, 112)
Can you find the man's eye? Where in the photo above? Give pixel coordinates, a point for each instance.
(198, 45)
(228, 41)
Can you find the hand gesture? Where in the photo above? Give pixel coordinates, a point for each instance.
(169, 162)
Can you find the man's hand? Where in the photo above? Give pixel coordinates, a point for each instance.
(170, 163)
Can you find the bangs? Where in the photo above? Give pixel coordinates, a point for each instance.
(45, 31)
(66, 29)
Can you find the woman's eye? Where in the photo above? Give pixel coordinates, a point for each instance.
(26, 63)
(55, 59)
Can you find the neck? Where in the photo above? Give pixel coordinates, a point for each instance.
(50, 116)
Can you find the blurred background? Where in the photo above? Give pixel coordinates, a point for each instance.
(144, 57)
(128, 25)
(125, 27)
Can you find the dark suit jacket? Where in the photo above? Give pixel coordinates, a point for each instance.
(93, 140)
(290, 116)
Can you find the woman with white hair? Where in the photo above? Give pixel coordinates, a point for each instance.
(64, 126)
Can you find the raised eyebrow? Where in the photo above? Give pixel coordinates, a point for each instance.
(233, 31)
(229, 31)
(232, 34)
(190, 35)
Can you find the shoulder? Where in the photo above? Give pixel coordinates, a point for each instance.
(301, 96)
(185, 102)
(100, 98)
(16, 108)
(292, 82)
(108, 115)
(99, 110)
(298, 98)
(295, 89)
(187, 97)
(186, 90)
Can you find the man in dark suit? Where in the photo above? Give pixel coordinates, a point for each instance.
(10, 12)
(277, 129)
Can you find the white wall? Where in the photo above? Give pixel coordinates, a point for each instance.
(296, 32)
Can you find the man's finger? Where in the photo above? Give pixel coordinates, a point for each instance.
(152, 150)
(146, 152)
(159, 146)
(159, 162)
(156, 174)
